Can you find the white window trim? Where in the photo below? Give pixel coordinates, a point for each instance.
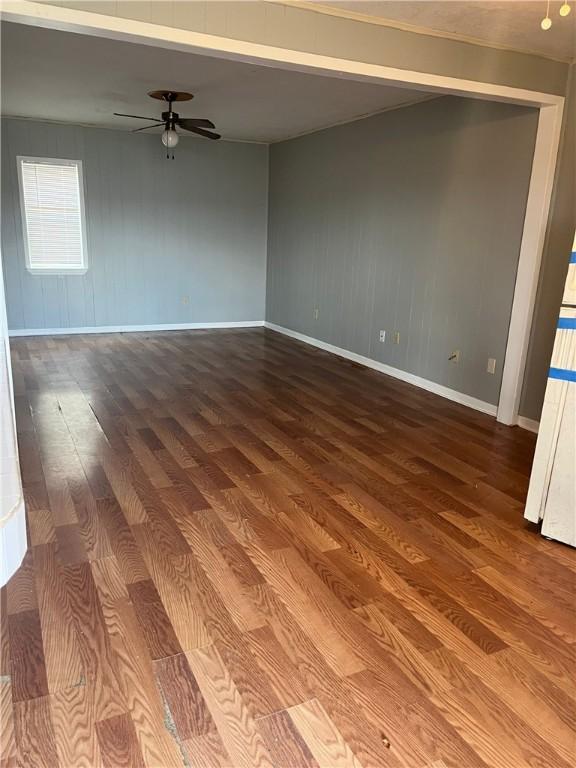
(551, 107)
(57, 271)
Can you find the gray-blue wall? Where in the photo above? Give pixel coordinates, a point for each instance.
(409, 221)
(180, 241)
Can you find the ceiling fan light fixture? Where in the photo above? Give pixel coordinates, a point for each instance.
(170, 138)
(170, 120)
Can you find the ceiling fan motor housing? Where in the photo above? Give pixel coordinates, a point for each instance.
(170, 118)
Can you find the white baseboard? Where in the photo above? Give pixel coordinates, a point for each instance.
(397, 373)
(133, 328)
(530, 424)
(410, 378)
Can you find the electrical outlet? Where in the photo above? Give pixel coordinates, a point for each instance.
(491, 367)
(185, 299)
(316, 313)
(382, 336)
(455, 357)
(396, 337)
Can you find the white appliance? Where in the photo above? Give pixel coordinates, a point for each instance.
(12, 515)
(552, 492)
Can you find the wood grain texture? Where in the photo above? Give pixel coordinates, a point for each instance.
(35, 734)
(248, 553)
(238, 730)
(183, 697)
(64, 666)
(154, 623)
(206, 752)
(28, 668)
(7, 740)
(118, 742)
(285, 742)
(322, 737)
(73, 718)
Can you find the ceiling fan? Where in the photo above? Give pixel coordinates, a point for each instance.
(170, 120)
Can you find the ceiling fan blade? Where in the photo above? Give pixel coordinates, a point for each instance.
(146, 127)
(202, 132)
(138, 117)
(195, 122)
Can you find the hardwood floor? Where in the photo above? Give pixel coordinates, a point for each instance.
(246, 552)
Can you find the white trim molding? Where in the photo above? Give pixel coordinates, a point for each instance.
(82, 267)
(410, 378)
(531, 249)
(397, 373)
(132, 328)
(131, 30)
(530, 424)
(545, 154)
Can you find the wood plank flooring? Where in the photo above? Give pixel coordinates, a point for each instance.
(246, 552)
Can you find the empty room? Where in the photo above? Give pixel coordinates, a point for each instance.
(288, 384)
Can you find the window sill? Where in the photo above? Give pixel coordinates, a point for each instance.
(57, 272)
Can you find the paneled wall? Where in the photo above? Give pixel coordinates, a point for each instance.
(169, 242)
(408, 222)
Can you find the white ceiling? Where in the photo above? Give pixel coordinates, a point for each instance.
(72, 78)
(513, 24)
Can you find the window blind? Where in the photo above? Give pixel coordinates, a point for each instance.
(52, 214)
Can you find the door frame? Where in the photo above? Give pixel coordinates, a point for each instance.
(546, 148)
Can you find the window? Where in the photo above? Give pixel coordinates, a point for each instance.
(52, 203)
